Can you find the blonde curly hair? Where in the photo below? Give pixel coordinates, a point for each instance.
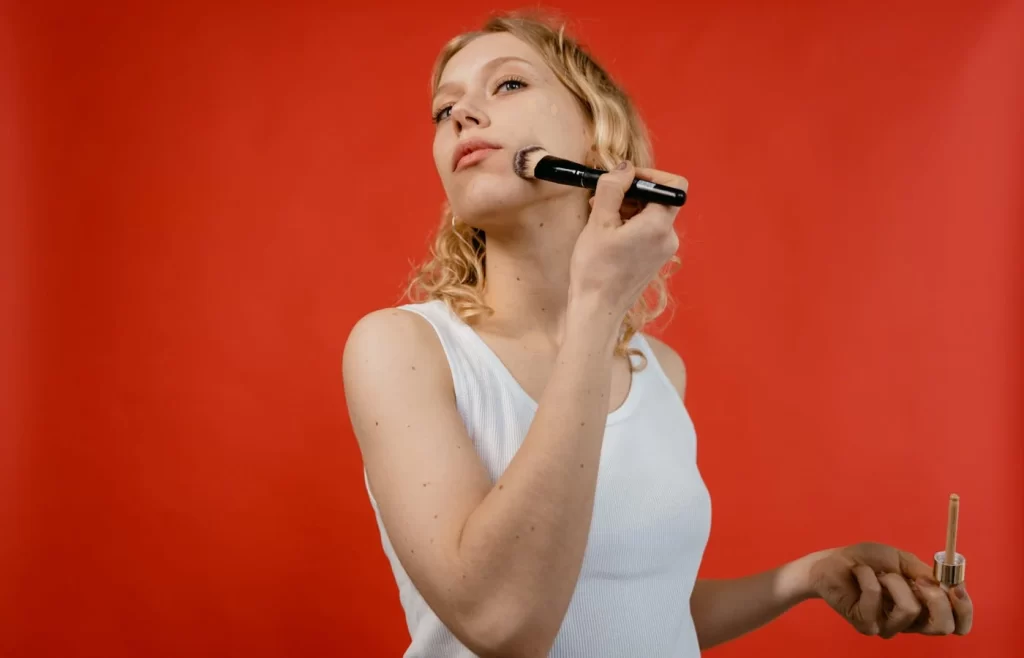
(455, 270)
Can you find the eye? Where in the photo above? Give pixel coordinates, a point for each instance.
(511, 83)
(440, 115)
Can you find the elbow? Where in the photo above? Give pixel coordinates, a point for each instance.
(502, 629)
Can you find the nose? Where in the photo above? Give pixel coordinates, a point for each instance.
(465, 115)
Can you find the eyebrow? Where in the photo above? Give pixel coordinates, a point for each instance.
(488, 67)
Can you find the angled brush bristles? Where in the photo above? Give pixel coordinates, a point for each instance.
(525, 162)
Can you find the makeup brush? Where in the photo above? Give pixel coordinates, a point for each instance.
(533, 162)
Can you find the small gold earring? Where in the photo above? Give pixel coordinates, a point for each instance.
(454, 218)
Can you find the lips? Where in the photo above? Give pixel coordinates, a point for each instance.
(470, 152)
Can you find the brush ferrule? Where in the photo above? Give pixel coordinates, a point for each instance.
(566, 172)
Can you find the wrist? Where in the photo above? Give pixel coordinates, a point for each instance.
(796, 580)
(591, 316)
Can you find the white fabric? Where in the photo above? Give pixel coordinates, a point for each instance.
(652, 511)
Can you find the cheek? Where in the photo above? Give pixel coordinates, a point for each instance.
(563, 124)
(436, 152)
(568, 132)
(442, 160)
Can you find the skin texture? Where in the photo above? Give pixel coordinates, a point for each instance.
(498, 561)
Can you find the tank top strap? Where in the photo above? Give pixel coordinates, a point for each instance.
(654, 374)
(445, 323)
(457, 341)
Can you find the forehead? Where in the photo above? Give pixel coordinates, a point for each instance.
(481, 50)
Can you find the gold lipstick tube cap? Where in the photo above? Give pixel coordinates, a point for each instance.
(949, 575)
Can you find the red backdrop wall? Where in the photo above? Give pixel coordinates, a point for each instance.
(205, 198)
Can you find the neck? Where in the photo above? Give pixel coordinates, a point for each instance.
(528, 266)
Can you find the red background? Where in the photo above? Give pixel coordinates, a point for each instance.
(200, 201)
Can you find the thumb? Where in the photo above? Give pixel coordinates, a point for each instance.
(881, 557)
(611, 190)
(915, 568)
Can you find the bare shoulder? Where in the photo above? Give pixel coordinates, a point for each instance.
(670, 362)
(391, 325)
(392, 340)
(392, 353)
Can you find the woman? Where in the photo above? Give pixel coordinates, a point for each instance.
(526, 448)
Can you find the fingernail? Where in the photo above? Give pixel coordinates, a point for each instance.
(923, 582)
(622, 165)
(958, 591)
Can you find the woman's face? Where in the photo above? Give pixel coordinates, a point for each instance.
(498, 90)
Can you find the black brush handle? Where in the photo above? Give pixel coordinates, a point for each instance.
(566, 172)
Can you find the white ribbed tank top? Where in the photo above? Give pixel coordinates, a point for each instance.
(651, 519)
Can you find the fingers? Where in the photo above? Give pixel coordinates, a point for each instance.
(610, 207)
(898, 593)
(865, 614)
(663, 178)
(963, 610)
(611, 190)
(656, 212)
(937, 619)
(906, 608)
(629, 208)
(886, 559)
(652, 223)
